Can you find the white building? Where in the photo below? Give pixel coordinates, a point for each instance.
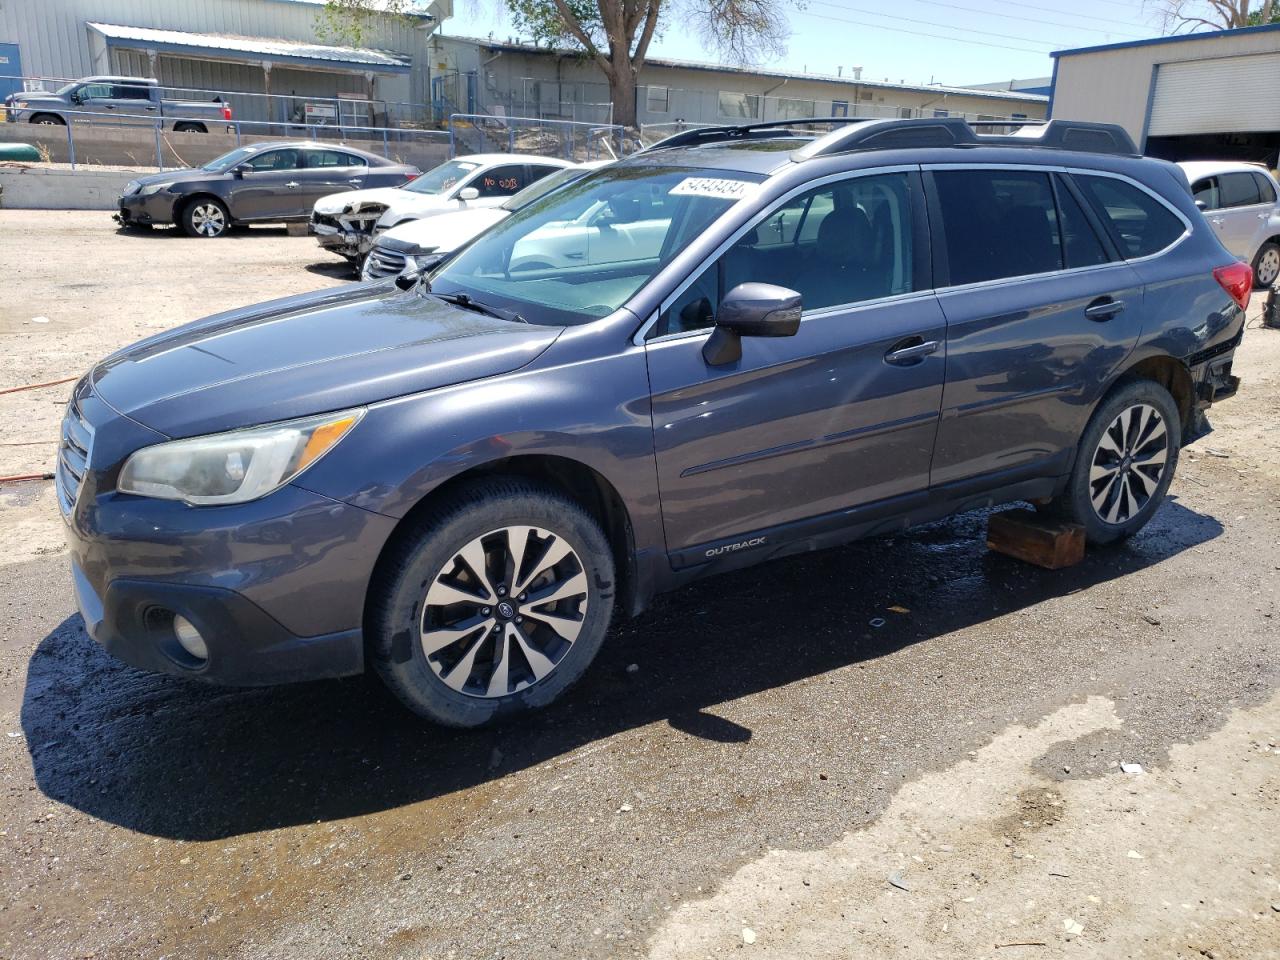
(1202, 96)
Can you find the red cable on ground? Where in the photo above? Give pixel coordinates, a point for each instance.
(37, 386)
(27, 476)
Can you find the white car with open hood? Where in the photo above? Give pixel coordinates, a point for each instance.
(423, 242)
(344, 222)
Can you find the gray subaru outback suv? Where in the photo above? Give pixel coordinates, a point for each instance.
(459, 478)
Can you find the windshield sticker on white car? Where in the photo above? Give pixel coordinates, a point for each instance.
(713, 187)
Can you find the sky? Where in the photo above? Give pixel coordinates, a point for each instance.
(919, 41)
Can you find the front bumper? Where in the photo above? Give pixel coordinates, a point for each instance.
(276, 587)
(156, 208)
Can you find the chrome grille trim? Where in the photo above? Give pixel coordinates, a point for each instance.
(73, 452)
(384, 262)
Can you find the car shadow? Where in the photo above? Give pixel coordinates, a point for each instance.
(337, 269)
(168, 231)
(183, 760)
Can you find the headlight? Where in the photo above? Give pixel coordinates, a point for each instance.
(234, 467)
(20, 104)
(427, 258)
(131, 188)
(151, 188)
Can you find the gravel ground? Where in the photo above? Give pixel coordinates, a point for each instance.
(761, 791)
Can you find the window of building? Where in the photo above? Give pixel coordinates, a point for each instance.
(865, 97)
(1140, 224)
(839, 108)
(906, 113)
(942, 113)
(657, 99)
(1238, 190)
(739, 106)
(997, 224)
(794, 109)
(840, 243)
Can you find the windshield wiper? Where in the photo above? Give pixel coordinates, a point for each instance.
(467, 303)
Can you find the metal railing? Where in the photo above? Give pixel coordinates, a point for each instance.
(391, 138)
(569, 139)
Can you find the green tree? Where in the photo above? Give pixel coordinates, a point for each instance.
(616, 34)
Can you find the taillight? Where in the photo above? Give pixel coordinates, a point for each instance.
(226, 111)
(410, 177)
(1237, 279)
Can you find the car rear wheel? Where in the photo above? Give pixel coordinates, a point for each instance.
(205, 217)
(1266, 265)
(1124, 464)
(494, 605)
(189, 128)
(48, 120)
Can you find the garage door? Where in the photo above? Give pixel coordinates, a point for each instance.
(1226, 95)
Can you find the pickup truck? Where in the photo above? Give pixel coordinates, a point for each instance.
(130, 100)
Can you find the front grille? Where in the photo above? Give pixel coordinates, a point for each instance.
(73, 452)
(384, 262)
(326, 219)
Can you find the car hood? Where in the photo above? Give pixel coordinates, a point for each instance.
(42, 98)
(443, 233)
(339, 202)
(175, 176)
(308, 354)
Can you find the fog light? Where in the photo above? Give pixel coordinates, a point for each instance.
(189, 638)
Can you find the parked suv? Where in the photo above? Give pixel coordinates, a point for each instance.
(1239, 200)
(459, 478)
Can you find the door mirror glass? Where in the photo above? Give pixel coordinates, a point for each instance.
(240, 169)
(468, 193)
(751, 310)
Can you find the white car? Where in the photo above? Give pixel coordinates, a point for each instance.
(425, 241)
(1240, 200)
(344, 222)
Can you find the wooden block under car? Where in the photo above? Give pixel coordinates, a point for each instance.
(1028, 536)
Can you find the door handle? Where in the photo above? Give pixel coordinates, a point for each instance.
(1217, 221)
(910, 351)
(1104, 308)
(291, 184)
(1263, 216)
(356, 180)
(152, 109)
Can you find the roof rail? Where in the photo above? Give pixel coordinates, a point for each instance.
(860, 133)
(768, 130)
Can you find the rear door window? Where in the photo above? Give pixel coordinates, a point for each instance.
(1140, 224)
(1081, 246)
(502, 181)
(1238, 190)
(998, 224)
(1266, 187)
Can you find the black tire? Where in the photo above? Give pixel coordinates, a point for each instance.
(1133, 476)
(429, 557)
(205, 217)
(48, 120)
(1266, 265)
(189, 128)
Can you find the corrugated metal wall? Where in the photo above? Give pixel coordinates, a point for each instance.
(55, 42)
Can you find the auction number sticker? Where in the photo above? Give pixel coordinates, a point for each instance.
(713, 187)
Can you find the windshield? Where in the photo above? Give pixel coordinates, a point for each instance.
(578, 253)
(228, 160)
(441, 178)
(540, 188)
(66, 88)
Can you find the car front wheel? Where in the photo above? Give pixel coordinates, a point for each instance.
(492, 606)
(205, 217)
(1124, 464)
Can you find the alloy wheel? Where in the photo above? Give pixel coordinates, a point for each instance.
(504, 611)
(1128, 463)
(208, 220)
(1268, 267)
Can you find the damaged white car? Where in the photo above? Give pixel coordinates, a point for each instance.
(344, 223)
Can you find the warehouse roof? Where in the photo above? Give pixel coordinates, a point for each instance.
(260, 47)
(1183, 38)
(845, 81)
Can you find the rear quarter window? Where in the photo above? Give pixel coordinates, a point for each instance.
(1139, 223)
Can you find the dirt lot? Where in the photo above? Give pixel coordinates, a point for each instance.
(802, 783)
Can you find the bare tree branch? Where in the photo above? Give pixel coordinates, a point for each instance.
(741, 31)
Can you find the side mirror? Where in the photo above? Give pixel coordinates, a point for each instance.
(751, 310)
(239, 170)
(1201, 205)
(409, 277)
(468, 193)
